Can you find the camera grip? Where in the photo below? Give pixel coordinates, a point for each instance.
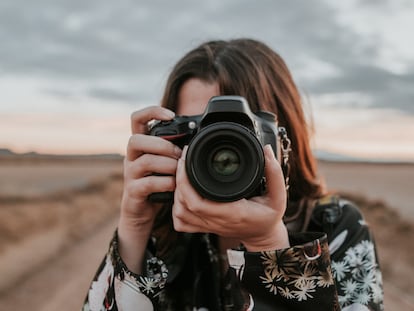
(161, 197)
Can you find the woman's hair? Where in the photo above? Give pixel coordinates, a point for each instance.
(251, 69)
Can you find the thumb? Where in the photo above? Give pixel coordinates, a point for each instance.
(276, 189)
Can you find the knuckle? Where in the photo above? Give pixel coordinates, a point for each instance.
(196, 208)
(134, 116)
(148, 185)
(133, 190)
(168, 183)
(178, 224)
(242, 216)
(131, 142)
(145, 161)
(178, 212)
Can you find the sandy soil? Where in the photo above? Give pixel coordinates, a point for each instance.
(390, 183)
(56, 219)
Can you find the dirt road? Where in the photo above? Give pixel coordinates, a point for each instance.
(50, 246)
(61, 282)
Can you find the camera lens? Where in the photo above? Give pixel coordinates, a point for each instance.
(225, 162)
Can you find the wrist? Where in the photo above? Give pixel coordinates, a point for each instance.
(132, 243)
(278, 238)
(132, 216)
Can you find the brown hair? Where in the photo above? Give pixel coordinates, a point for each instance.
(251, 69)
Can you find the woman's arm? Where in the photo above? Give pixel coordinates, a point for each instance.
(128, 273)
(146, 155)
(115, 287)
(313, 274)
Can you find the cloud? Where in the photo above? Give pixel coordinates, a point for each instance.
(123, 50)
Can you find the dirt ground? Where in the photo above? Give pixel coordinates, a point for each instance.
(57, 217)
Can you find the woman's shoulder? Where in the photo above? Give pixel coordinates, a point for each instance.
(333, 214)
(334, 208)
(342, 221)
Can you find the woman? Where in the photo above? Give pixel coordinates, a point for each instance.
(291, 248)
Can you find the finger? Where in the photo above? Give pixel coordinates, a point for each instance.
(183, 226)
(185, 198)
(184, 189)
(143, 187)
(184, 152)
(148, 164)
(139, 144)
(140, 119)
(186, 221)
(274, 176)
(196, 204)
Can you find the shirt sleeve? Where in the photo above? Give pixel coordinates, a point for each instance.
(318, 272)
(114, 287)
(298, 278)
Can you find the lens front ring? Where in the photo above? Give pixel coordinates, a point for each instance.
(243, 179)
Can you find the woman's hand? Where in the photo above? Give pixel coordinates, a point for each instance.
(145, 156)
(256, 222)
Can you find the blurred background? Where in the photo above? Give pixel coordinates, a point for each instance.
(80, 68)
(71, 73)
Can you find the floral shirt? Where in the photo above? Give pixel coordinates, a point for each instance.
(331, 266)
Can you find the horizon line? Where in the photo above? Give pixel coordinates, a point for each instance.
(320, 155)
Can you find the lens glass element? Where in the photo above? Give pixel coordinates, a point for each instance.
(225, 162)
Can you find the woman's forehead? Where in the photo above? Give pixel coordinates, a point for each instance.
(194, 96)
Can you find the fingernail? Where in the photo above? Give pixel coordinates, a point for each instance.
(270, 151)
(184, 152)
(168, 113)
(178, 152)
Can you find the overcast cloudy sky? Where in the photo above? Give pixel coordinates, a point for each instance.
(72, 71)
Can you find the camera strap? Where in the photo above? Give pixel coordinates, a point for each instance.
(285, 146)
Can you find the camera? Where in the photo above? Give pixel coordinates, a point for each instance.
(225, 158)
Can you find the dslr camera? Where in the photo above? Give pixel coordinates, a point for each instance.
(225, 158)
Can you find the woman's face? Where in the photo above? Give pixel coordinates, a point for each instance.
(194, 96)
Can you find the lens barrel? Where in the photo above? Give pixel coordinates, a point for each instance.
(225, 162)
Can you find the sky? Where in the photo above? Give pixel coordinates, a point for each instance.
(72, 71)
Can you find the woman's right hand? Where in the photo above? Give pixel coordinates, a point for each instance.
(145, 156)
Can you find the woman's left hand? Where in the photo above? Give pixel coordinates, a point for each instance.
(256, 222)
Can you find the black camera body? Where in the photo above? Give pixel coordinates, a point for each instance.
(225, 158)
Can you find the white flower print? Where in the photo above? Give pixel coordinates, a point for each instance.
(305, 290)
(288, 273)
(363, 297)
(366, 280)
(339, 269)
(355, 307)
(365, 247)
(285, 292)
(303, 279)
(349, 286)
(324, 281)
(358, 276)
(147, 285)
(344, 299)
(351, 258)
(270, 281)
(377, 294)
(269, 260)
